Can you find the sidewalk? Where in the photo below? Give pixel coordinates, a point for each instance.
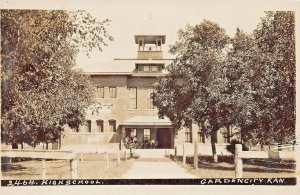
(156, 168)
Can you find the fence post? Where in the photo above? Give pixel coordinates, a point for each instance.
(73, 168)
(81, 156)
(183, 155)
(44, 169)
(196, 155)
(175, 151)
(107, 161)
(238, 161)
(125, 155)
(118, 157)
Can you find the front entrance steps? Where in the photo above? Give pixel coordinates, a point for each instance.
(152, 153)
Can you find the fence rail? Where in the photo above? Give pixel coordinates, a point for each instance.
(39, 154)
(44, 155)
(68, 155)
(240, 154)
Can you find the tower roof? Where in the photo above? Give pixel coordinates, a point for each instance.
(150, 39)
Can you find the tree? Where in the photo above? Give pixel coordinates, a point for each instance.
(239, 105)
(191, 92)
(275, 72)
(41, 90)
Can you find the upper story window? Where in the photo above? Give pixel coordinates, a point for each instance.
(149, 68)
(132, 98)
(112, 125)
(188, 134)
(141, 44)
(99, 91)
(146, 68)
(154, 68)
(99, 125)
(88, 126)
(149, 98)
(112, 92)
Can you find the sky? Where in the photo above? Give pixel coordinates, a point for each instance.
(166, 17)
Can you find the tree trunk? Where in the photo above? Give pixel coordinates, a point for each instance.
(228, 134)
(213, 145)
(59, 142)
(14, 146)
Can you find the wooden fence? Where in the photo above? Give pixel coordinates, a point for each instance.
(196, 154)
(239, 155)
(44, 155)
(118, 154)
(58, 155)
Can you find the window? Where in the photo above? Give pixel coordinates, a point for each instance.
(188, 135)
(141, 44)
(132, 132)
(132, 98)
(149, 68)
(112, 92)
(99, 125)
(149, 98)
(88, 126)
(154, 68)
(201, 137)
(147, 134)
(146, 68)
(140, 68)
(112, 126)
(100, 92)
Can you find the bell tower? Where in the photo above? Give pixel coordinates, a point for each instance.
(149, 46)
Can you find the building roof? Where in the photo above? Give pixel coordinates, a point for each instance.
(150, 38)
(123, 66)
(147, 120)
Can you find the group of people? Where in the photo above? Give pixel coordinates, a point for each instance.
(150, 144)
(131, 142)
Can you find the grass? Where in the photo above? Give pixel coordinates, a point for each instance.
(224, 168)
(93, 166)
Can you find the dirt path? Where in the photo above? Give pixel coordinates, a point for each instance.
(156, 168)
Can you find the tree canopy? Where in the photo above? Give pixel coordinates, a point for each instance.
(275, 73)
(41, 90)
(194, 81)
(247, 81)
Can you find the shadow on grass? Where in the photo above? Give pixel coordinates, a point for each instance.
(11, 167)
(16, 170)
(226, 163)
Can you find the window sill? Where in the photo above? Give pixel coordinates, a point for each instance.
(150, 109)
(132, 109)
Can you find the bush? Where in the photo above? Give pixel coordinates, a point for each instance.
(231, 148)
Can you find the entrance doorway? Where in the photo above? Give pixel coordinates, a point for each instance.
(164, 138)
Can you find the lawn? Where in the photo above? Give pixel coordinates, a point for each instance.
(252, 168)
(93, 166)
